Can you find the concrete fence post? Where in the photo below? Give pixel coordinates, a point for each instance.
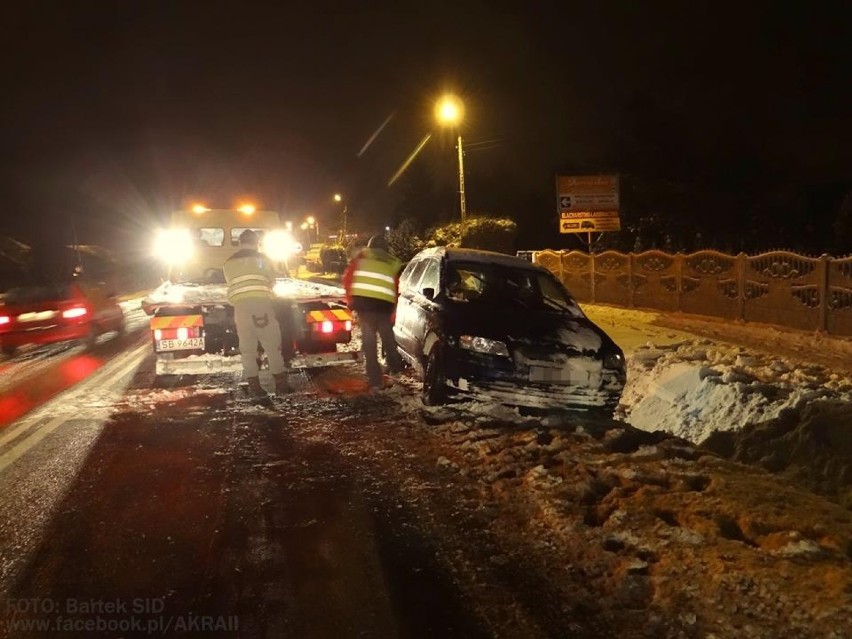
(592, 275)
(631, 285)
(824, 291)
(742, 265)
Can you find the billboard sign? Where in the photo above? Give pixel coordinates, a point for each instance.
(587, 203)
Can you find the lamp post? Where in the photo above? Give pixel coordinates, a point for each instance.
(339, 198)
(314, 224)
(449, 111)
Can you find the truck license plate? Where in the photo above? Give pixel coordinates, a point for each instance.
(190, 343)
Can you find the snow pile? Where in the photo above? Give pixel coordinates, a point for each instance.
(696, 387)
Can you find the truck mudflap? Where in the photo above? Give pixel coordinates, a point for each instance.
(209, 364)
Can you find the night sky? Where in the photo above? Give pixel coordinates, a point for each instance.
(721, 117)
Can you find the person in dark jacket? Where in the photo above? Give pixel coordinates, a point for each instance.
(371, 281)
(250, 276)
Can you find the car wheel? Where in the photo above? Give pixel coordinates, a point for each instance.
(91, 337)
(8, 350)
(434, 380)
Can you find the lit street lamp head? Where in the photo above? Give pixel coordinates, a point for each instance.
(337, 197)
(449, 110)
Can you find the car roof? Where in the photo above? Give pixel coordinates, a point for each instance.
(453, 254)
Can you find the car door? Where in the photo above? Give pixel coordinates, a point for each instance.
(423, 309)
(403, 303)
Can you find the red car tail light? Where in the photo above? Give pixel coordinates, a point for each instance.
(5, 319)
(77, 311)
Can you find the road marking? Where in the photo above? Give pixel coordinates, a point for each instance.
(34, 438)
(38, 433)
(13, 432)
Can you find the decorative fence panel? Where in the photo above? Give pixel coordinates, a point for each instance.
(774, 288)
(783, 288)
(839, 299)
(710, 284)
(655, 280)
(612, 278)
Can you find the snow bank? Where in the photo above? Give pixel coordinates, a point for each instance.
(697, 387)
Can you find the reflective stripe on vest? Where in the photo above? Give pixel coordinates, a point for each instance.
(247, 279)
(375, 278)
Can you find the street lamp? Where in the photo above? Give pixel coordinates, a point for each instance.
(339, 198)
(449, 111)
(312, 222)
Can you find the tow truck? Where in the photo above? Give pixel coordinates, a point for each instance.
(191, 321)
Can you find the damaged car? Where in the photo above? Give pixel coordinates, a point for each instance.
(496, 328)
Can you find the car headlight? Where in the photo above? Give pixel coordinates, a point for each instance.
(483, 345)
(173, 246)
(280, 245)
(613, 361)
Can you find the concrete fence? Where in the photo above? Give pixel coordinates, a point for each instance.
(780, 288)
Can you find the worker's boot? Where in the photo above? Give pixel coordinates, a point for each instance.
(282, 383)
(255, 389)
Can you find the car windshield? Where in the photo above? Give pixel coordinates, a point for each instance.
(507, 286)
(35, 294)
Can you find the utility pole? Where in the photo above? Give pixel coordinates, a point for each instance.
(462, 202)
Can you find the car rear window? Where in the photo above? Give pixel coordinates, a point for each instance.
(41, 293)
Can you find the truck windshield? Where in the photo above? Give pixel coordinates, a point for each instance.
(211, 236)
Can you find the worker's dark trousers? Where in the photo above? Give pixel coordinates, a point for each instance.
(373, 325)
(256, 322)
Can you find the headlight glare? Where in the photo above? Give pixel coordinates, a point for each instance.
(279, 245)
(173, 246)
(483, 345)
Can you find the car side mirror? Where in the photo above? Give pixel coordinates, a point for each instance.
(429, 293)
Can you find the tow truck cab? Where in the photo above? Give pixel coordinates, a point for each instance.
(192, 323)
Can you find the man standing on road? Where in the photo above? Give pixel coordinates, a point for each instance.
(250, 276)
(371, 281)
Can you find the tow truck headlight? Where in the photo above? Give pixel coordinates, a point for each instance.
(173, 246)
(483, 345)
(280, 245)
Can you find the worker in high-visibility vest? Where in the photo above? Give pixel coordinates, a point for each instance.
(250, 276)
(371, 281)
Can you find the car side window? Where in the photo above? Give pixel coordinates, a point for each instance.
(405, 276)
(430, 276)
(416, 274)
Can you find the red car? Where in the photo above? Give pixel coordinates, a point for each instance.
(55, 312)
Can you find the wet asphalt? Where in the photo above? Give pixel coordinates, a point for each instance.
(199, 517)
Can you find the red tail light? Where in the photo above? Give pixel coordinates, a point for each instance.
(77, 311)
(327, 327)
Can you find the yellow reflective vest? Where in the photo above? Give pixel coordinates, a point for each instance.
(249, 274)
(374, 275)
